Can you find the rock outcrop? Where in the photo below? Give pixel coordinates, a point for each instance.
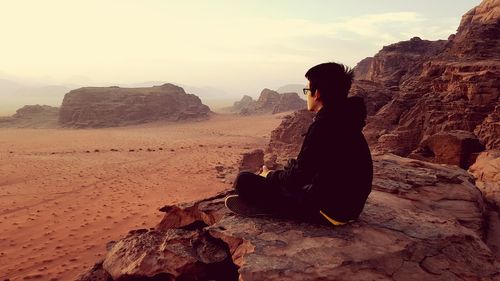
(423, 221)
(397, 62)
(115, 106)
(362, 70)
(289, 102)
(245, 102)
(252, 161)
(489, 130)
(451, 147)
(433, 87)
(269, 101)
(32, 116)
(287, 138)
(486, 170)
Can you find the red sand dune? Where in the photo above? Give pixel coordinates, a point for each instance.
(65, 193)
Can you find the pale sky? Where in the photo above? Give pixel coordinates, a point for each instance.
(236, 46)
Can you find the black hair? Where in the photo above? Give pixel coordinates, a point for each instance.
(333, 80)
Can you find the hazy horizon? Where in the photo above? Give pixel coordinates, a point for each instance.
(231, 48)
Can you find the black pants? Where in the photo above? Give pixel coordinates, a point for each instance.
(255, 190)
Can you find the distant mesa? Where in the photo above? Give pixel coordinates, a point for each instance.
(269, 102)
(93, 107)
(290, 88)
(32, 116)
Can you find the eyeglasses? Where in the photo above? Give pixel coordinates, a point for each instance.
(305, 90)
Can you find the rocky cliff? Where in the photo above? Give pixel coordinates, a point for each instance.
(114, 106)
(423, 221)
(419, 88)
(32, 116)
(287, 138)
(269, 101)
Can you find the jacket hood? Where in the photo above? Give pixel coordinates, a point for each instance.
(350, 114)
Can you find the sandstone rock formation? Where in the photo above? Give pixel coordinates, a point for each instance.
(362, 69)
(430, 87)
(246, 101)
(423, 221)
(289, 102)
(252, 161)
(269, 102)
(287, 138)
(114, 106)
(172, 254)
(451, 147)
(32, 116)
(486, 170)
(489, 130)
(397, 62)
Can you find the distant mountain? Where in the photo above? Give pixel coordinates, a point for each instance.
(14, 95)
(269, 101)
(291, 88)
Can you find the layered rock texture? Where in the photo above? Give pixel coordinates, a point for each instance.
(423, 221)
(450, 147)
(486, 170)
(114, 106)
(418, 88)
(32, 116)
(269, 102)
(287, 138)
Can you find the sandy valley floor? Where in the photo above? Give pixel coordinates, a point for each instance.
(65, 193)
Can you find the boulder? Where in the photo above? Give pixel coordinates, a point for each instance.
(423, 221)
(173, 254)
(452, 147)
(486, 170)
(252, 161)
(96, 273)
(115, 106)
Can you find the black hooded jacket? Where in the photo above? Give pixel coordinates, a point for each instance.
(333, 171)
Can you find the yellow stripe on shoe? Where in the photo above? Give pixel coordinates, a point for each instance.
(334, 222)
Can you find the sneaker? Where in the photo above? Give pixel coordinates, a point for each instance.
(239, 207)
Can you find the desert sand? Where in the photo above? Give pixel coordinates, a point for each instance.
(65, 193)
